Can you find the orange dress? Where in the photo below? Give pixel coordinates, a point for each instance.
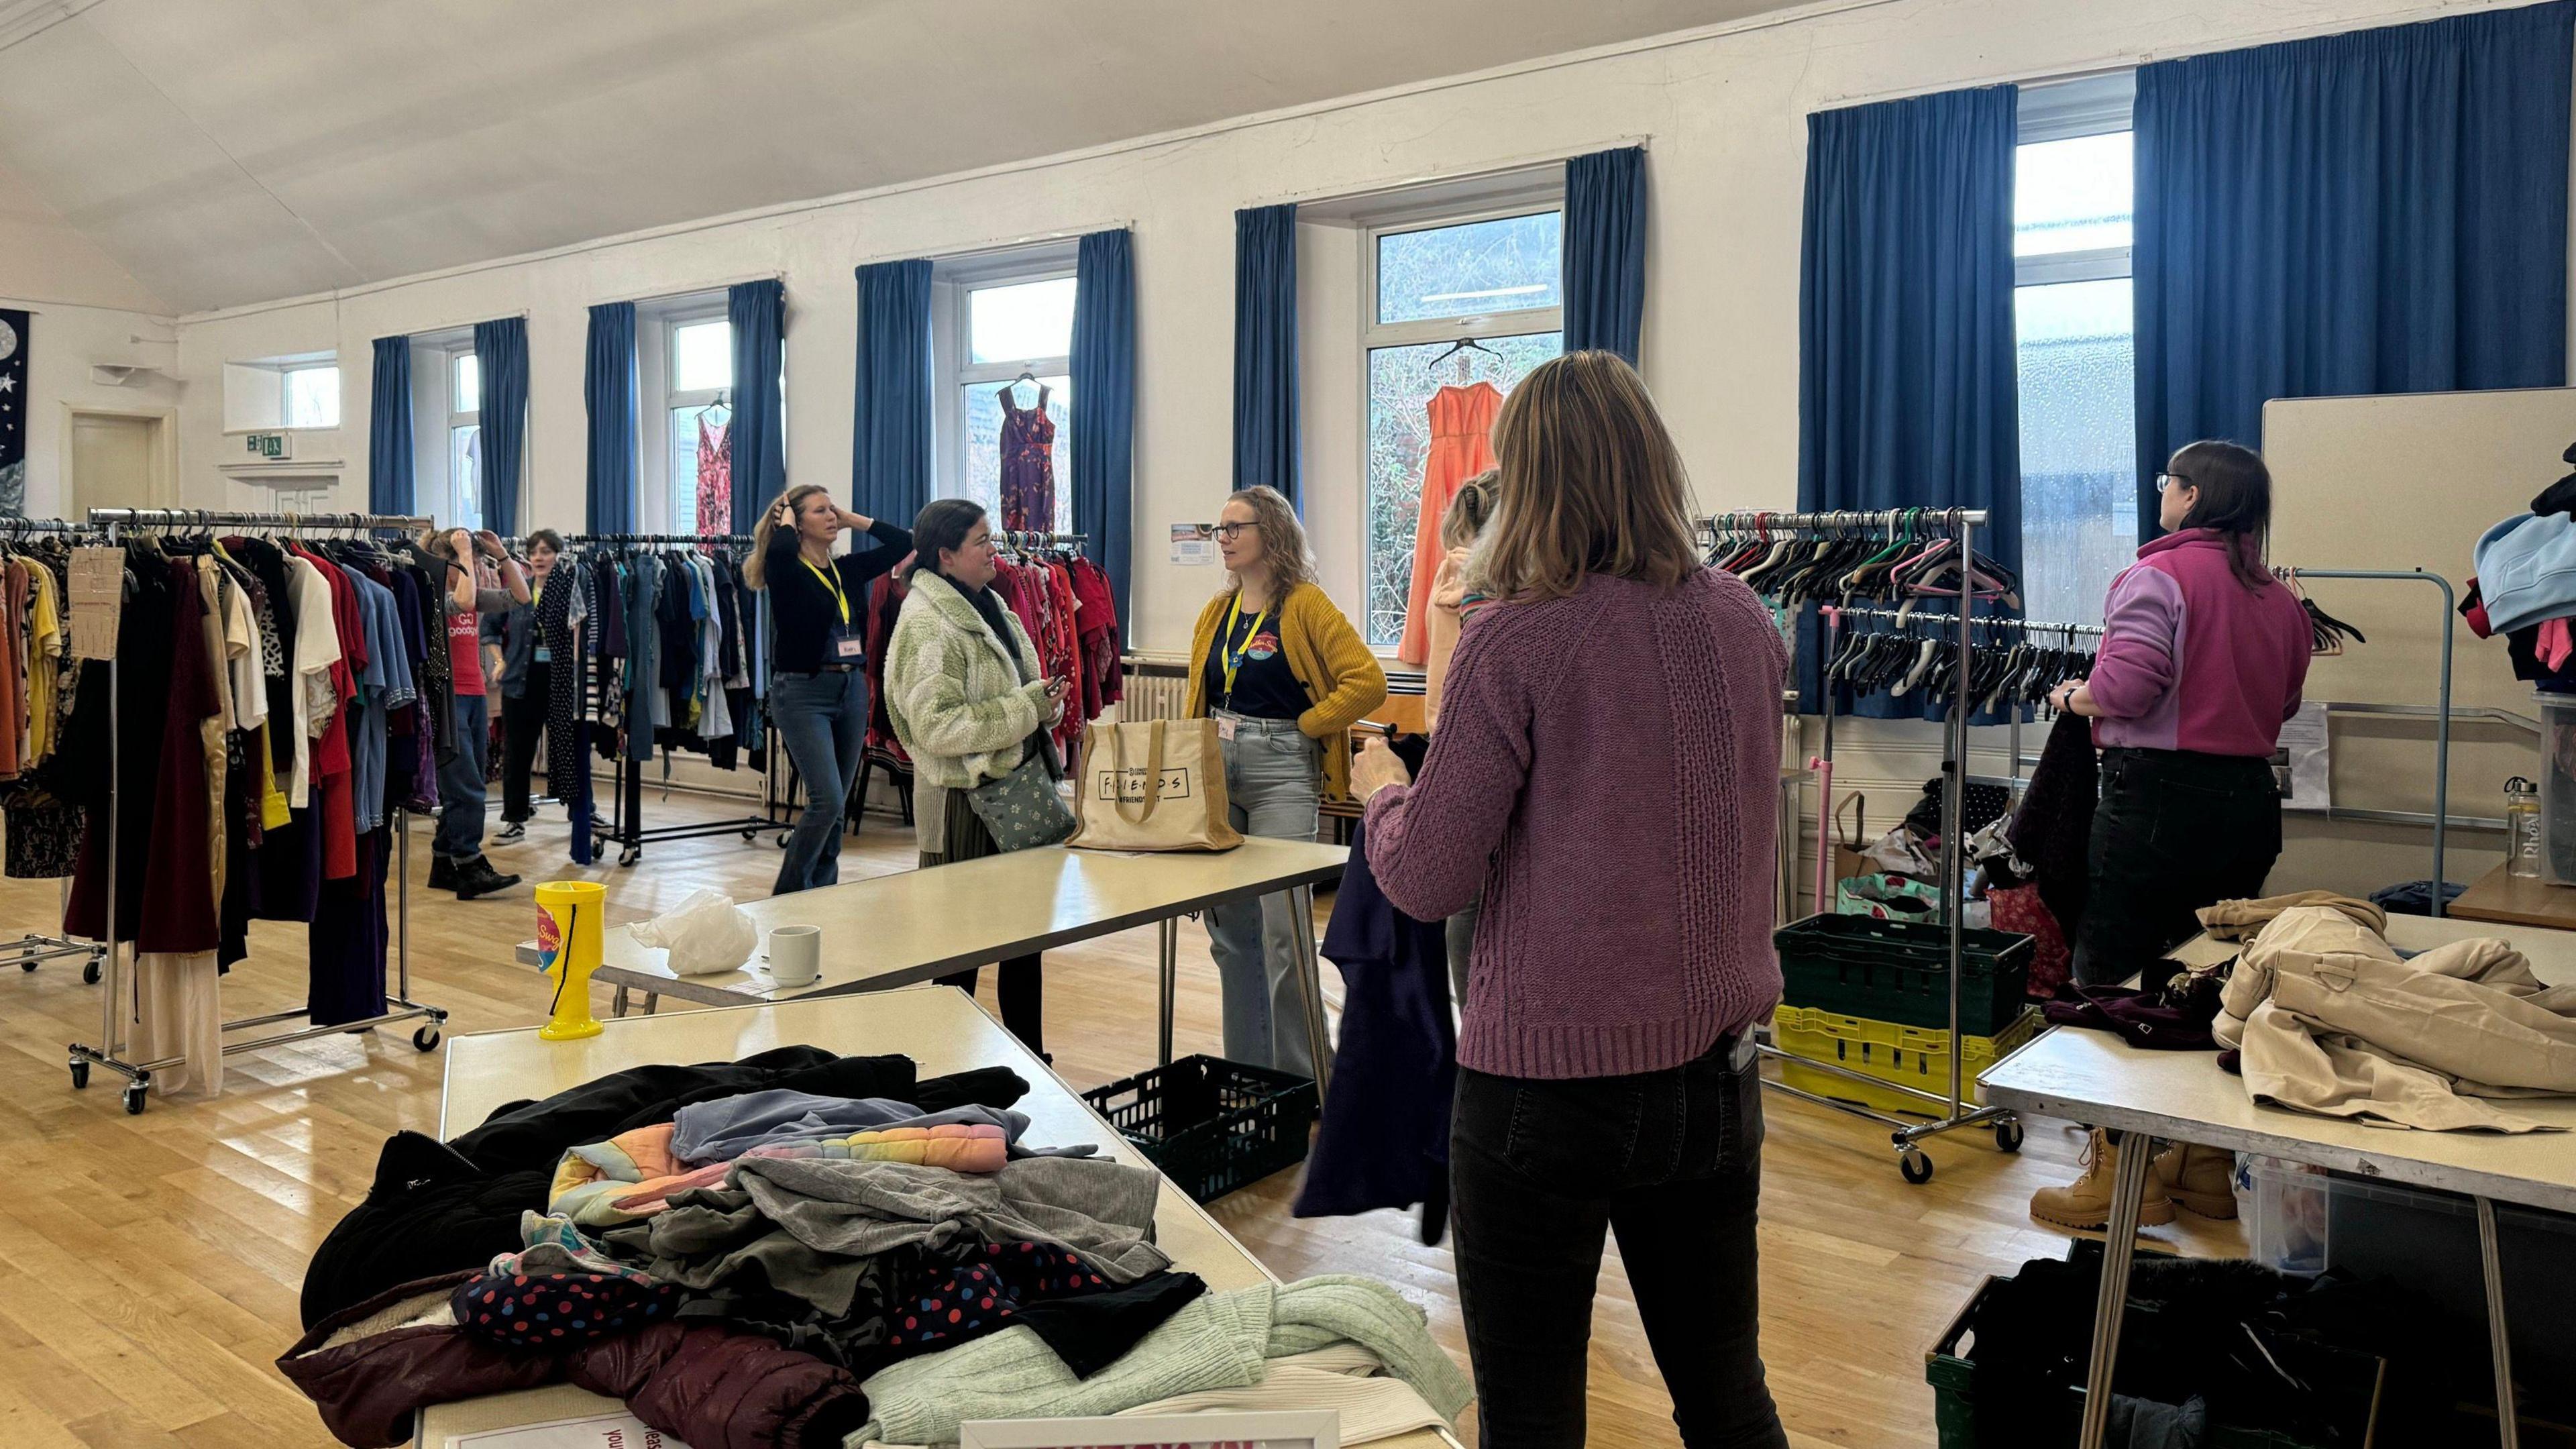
(1462, 425)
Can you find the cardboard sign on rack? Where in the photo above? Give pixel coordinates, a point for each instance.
(97, 594)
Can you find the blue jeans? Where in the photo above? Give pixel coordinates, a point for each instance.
(460, 781)
(823, 719)
(1274, 788)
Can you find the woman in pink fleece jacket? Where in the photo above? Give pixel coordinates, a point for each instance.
(2202, 659)
(1608, 751)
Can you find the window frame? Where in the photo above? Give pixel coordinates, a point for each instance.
(954, 285)
(286, 389)
(1374, 334)
(657, 356)
(460, 418)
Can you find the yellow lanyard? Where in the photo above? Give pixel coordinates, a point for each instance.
(1226, 647)
(831, 580)
(537, 593)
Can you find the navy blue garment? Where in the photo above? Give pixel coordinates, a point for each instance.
(758, 438)
(1265, 348)
(608, 388)
(1104, 403)
(1604, 267)
(1385, 1137)
(389, 468)
(2378, 212)
(1908, 390)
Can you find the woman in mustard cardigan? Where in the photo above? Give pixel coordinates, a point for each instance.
(1285, 676)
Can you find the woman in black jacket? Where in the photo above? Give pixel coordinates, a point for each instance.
(818, 678)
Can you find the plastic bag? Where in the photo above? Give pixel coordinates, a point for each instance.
(705, 934)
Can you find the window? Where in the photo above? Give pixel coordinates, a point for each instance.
(698, 423)
(312, 396)
(1491, 279)
(465, 439)
(2075, 344)
(1014, 332)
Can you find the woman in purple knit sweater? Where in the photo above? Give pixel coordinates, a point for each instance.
(1605, 765)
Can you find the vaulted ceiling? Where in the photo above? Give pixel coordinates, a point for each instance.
(229, 151)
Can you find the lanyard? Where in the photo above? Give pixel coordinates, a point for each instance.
(832, 580)
(537, 593)
(1228, 651)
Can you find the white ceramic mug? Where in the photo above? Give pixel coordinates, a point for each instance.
(795, 955)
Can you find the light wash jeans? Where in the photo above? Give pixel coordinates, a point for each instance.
(822, 718)
(1274, 788)
(461, 791)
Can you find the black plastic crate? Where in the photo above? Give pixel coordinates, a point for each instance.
(1210, 1124)
(1899, 971)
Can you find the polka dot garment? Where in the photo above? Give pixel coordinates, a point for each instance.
(550, 1312)
(985, 1292)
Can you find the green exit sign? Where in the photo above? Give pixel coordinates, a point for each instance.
(273, 446)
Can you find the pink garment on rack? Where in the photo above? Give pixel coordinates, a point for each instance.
(715, 477)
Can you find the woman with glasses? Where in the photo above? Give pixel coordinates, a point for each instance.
(1285, 676)
(2203, 655)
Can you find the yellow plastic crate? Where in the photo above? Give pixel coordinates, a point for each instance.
(1915, 1056)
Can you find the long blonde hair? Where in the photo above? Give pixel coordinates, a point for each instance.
(1590, 483)
(755, 569)
(1283, 541)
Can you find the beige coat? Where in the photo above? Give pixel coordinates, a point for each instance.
(955, 699)
(2333, 1022)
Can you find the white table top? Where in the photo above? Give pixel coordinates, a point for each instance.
(938, 1027)
(2096, 1078)
(895, 930)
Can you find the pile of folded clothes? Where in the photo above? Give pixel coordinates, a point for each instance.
(800, 1249)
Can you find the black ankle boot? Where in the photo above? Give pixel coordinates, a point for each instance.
(477, 878)
(442, 873)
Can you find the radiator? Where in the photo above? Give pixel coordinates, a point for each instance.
(1157, 686)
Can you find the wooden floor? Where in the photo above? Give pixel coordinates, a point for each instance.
(149, 1265)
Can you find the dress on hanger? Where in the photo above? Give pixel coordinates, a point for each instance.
(1028, 464)
(1462, 424)
(715, 477)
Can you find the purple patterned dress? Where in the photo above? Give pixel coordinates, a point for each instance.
(1028, 464)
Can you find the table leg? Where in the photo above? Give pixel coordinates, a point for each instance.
(652, 1002)
(1310, 976)
(617, 1002)
(1170, 929)
(2119, 1245)
(2508, 1431)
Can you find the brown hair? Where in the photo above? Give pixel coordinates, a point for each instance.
(1283, 540)
(754, 569)
(2234, 497)
(1589, 483)
(1468, 510)
(546, 536)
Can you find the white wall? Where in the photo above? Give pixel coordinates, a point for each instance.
(62, 343)
(1724, 116)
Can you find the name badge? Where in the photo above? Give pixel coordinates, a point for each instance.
(1225, 729)
(846, 648)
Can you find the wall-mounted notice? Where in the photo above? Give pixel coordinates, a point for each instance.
(1193, 544)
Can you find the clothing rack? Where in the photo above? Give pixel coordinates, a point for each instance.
(32, 949)
(2442, 710)
(108, 1053)
(625, 825)
(1906, 1136)
(1021, 538)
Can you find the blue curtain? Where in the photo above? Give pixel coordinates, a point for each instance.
(2384, 211)
(1265, 348)
(758, 437)
(608, 389)
(1906, 380)
(1605, 251)
(501, 354)
(1104, 405)
(890, 407)
(389, 487)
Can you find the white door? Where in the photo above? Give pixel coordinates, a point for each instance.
(114, 459)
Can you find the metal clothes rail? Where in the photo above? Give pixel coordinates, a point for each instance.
(1907, 1136)
(112, 1019)
(32, 949)
(1022, 538)
(624, 825)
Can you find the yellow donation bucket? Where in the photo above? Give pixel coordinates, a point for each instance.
(568, 931)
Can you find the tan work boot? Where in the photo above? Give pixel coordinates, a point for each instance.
(2086, 1202)
(2195, 1177)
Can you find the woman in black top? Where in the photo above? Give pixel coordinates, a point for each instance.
(818, 680)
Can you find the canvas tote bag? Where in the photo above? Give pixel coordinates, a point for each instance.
(1152, 785)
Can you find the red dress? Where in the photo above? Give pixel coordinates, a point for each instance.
(1462, 425)
(1028, 465)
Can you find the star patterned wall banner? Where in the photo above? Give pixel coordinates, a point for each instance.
(13, 414)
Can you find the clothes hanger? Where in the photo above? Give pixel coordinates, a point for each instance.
(1459, 348)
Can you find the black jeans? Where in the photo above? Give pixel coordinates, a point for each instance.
(2175, 831)
(1672, 1162)
(523, 723)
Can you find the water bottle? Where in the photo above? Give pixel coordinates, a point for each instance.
(2522, 828)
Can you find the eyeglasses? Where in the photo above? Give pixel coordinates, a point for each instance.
(1232, 531)
(2169, 480)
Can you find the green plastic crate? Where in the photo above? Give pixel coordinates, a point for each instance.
(1899, 971)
